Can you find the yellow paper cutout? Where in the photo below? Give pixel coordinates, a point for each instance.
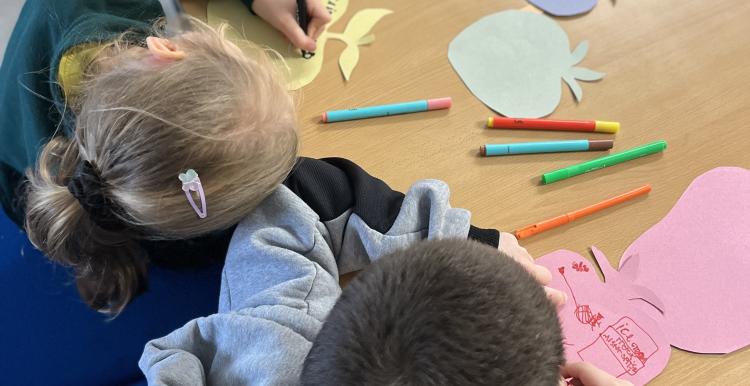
(354, 36)
(246, 26)
(348, 59)
(531, 8)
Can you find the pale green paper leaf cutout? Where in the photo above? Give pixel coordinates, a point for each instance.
(579, 53)
(348, 60)
(582, 73)
(574, 87)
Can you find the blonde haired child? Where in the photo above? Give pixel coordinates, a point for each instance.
(111, 113)
(135, 114)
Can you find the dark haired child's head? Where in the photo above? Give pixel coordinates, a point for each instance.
(448, 312)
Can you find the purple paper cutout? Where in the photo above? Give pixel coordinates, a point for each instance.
(564, 7)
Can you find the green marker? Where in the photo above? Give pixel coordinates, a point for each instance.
(603, 162)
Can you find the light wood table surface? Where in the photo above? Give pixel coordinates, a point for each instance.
(677, 70)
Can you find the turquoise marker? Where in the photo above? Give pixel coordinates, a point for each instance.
(386, 110)
(544, 147)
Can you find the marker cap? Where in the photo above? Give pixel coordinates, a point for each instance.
(439, 103)
(604, 144)
(606, 127)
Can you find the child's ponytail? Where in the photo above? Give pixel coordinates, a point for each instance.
(140, 123)
(67, 219)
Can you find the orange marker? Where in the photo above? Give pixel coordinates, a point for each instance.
(555, 222)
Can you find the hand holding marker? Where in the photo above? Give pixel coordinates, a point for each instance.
(302, 19)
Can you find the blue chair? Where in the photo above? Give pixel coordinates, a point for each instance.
(48, 336)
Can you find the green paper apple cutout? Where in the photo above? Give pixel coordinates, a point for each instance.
(513, 62)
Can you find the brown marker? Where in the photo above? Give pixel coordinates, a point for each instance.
(545, 147)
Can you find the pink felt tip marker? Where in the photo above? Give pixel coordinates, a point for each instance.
(386, 110)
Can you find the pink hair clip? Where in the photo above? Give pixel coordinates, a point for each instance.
(192, 183)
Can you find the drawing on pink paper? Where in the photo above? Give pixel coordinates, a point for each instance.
(586, 316)
(580, 266)
(600, 325)
(582, 312)
(622, 348)
(692, 263)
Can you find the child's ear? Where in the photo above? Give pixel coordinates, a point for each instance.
(164, 49)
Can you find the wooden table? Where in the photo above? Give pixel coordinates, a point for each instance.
(677, 70)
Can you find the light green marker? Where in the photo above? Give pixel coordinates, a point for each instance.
(603, 162)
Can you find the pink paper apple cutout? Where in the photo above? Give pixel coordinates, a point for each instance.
(682, 283)
(600, 325)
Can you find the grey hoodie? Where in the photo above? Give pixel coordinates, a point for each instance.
(280, 280)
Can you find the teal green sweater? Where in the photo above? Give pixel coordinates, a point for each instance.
(33, 106)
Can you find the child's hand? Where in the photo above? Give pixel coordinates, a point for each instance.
(509, 245)
(282, 14)
(586, 374)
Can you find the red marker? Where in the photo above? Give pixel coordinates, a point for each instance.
(552, 124)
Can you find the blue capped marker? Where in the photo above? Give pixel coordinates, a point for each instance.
(545, 147)
(386, 110)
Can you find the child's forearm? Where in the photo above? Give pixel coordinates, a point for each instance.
(333, 215)
(353, 204)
